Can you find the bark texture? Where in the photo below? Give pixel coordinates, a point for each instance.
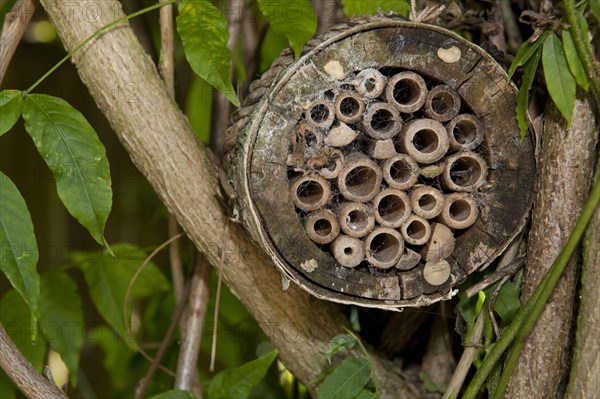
(585, 371)
(183, 173)
(22, 373)
(565, 170)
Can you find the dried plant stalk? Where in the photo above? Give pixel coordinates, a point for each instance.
(400, 172)
(391, 207)
(425, 140)
(348, 251)
(416, 230)
(356, 219)
(442, 103)
(460, 211)
(384, 247)
(427, 202)
(406, 91)
(464, 132)
(465, 171)
(322, 226)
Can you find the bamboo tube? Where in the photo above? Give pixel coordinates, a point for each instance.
(340, 136)
(460, 211)
(441, 244)
(464, 132)
(400, 172)
(370, 83)
(360, 178)
(406, 91)
(320, 114)
(416, 230)
(427, 202)
(442, 103)
(322, 226)
(349, 107)
(436, 273)
(409, 260)
(465, 171)
(356, 219)
(425, 140)
(348, 251)
(384, 247)
(382, 149)
(310, 193)
(382, 121)
(392, 207)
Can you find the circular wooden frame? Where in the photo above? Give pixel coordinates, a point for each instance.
(257, 164)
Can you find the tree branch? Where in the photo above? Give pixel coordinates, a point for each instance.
(22, 373)
(565, 171)
(163, 146)
(15, 25)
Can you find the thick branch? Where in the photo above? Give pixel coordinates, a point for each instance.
(163, 146)
(586, 360)
(565, 171)
(15, 25)
(22, 373)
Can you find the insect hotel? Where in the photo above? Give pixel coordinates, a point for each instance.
(383, 166)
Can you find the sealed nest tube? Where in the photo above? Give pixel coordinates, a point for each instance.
(383, 166)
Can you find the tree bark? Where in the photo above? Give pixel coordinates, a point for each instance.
(564, 175)
(163, 146)
(585, 371)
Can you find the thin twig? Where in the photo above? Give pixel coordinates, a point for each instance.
(466, 360)
(143, 384)
(527, 316)
(15, 25)
(221, 105)
(193, 326)
(175, 259)
(166, 66)
(126, 315)
(213, 349)
(22, 373)
(498, 275)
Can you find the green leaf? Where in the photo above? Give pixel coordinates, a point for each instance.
(76, 157)
(295, 19)
(525, 52)
(573, 59)
(203, 30)
(14, 316)
(118, 359)
(340, 343)
(18, 247)
(595, 8)
(61, 318)
(175, 394)
(559, 80)
(523, 98)
(366, 394)
(198, 107)
(11, 106)
(360, 7)
(238, 382)
(108, 278)
(346, 380)
(507, 302)
(8, 390)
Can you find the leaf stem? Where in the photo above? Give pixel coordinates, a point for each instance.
(527, 316)
(92, 37)
(583, 47)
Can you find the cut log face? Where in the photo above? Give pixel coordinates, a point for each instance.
(395, 181)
